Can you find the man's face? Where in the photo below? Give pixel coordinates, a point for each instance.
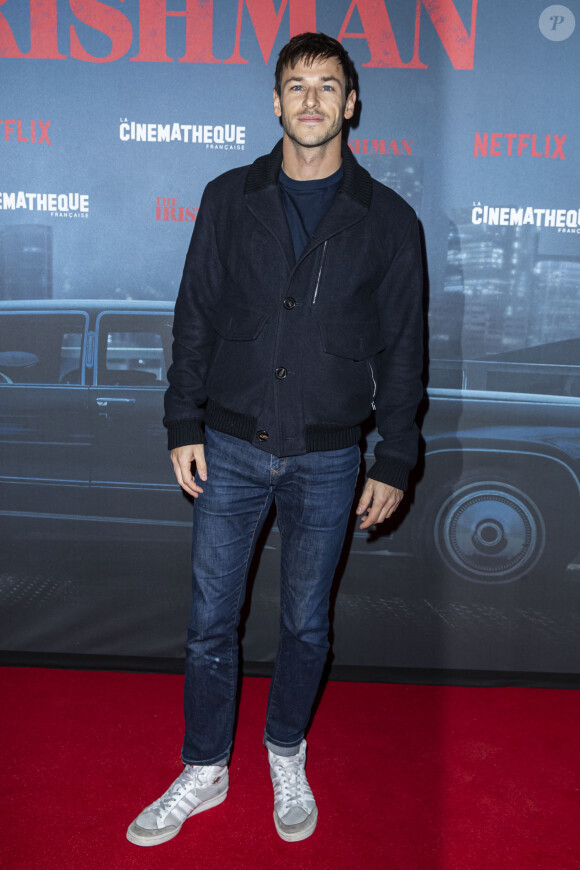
(312, 102)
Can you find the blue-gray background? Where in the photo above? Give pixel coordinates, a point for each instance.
(491, 292)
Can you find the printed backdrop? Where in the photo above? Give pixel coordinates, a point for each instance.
(114, 115)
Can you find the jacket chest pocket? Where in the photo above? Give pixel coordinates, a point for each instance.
(356, 340)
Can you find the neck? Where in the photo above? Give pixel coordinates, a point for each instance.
(307, 164)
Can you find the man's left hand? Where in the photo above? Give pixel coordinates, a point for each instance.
(381, 501)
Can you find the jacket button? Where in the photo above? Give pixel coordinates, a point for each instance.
(289, 303)
(262, 435)
(281, 373)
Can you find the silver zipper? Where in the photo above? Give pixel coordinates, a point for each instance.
(373, 405)
(319, 272)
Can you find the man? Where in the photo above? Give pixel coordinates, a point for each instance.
(300, 310)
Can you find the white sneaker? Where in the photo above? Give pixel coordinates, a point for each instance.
(295, 813)
(198, 788)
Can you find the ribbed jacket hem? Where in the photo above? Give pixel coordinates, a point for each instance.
(317, 437)
(331, 438)
(230, 422)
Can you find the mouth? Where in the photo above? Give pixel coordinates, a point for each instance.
(310, 119)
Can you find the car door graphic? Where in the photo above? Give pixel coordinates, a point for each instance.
(132, 482)
(45, 438)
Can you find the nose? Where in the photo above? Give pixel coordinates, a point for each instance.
(310, 97)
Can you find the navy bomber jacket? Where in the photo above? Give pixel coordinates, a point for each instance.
(289, 355)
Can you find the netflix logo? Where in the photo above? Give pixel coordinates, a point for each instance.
(385, 147)
(17, 130)
(519, 145)
(167, 209)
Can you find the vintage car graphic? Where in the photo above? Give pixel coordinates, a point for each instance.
(496, 498)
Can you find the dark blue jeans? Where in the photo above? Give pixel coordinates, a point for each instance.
(313, 495)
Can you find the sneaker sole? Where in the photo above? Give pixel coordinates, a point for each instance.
(159, 838)
(296, 836)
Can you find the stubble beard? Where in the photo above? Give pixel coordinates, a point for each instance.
(306, 141)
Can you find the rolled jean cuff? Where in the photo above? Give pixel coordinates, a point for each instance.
(284, 751)
(220, 761)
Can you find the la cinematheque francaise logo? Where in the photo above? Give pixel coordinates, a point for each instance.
(219, 137)
(565, 220)
(58, 205)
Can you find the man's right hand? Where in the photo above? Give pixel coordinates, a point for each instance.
(182, 458)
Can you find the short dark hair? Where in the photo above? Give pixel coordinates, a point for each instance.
(310, 47)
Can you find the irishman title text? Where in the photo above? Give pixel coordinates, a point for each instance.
(138, 28)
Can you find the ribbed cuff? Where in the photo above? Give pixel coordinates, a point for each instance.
(185, 432)
(391, 471)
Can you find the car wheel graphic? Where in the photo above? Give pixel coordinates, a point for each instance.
(486, 531)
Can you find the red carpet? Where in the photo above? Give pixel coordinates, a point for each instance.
(406, 777)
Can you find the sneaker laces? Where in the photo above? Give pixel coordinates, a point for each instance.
(293, 789)
(192, 778)
(175, 792)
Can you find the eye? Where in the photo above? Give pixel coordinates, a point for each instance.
(327, 88)
(296, 88)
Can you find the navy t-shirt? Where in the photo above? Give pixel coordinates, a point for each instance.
(306, 203)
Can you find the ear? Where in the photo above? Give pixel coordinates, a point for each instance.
(277, 104)
(349, 108)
